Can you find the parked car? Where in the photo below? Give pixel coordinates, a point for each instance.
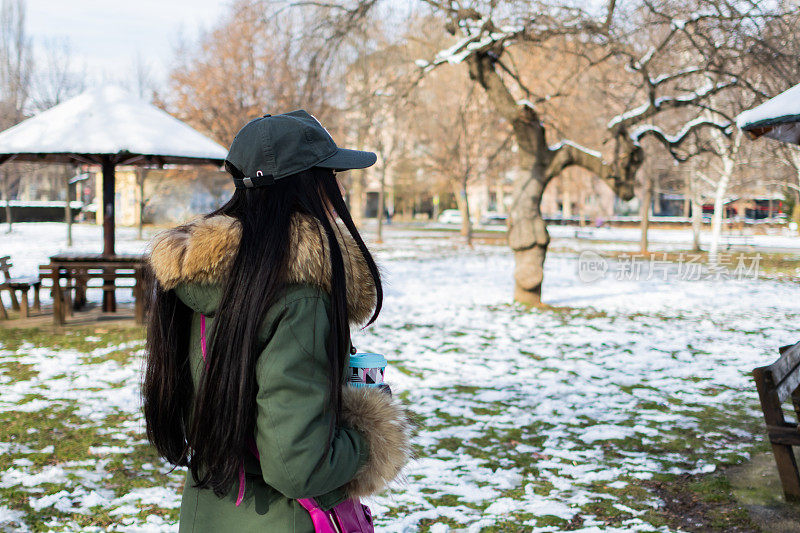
(450, 216)
(492, 218)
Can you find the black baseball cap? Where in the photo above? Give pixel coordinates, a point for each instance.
(272, 147)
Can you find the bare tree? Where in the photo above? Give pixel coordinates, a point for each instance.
(726, 149)
(143, 81)
(388, 144)
(376, 80)
(144, 86)
(484, 48)
(461, 137)
(56, 78)
(265, 57)
(15, 82)
(141, 175)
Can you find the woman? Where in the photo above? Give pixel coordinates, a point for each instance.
(248, 341)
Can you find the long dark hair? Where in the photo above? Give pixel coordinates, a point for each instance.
(209, 430)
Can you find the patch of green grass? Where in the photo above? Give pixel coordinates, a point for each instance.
(712, 488)
(449, 443)
(17, 371)
(699, 503)
(489, 411)
(514, 523)
(126, 472)
(12, 338)
(407, 371)
(426, 523)
(120, 356)
(449, 500)
(531, 355)
(57, 426)
(71, 438)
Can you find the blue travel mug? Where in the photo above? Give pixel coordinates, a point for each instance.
(366, 370)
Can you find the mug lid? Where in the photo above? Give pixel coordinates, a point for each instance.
(367, 360)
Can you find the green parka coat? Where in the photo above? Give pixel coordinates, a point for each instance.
(370, 446)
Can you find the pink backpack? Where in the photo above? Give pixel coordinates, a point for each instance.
(350, 516)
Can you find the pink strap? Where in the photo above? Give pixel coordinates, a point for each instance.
(242, 481)
(307, 503)
(321, 520)
(242, 484)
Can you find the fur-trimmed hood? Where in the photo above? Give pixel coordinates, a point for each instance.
(202, 252)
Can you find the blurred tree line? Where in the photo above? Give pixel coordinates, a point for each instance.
(631, 98)
(639, 95)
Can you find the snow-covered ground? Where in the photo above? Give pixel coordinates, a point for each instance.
(31, 244)
(535, 420)
(779, 239)
(769, 238)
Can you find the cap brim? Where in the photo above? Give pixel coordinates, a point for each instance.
(345, 159)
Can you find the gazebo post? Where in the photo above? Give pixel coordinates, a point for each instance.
(108, 205)
(109, 301)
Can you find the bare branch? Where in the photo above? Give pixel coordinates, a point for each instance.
(652, 108)
(609, 16)
(616, 174)
(673, 142)
(523, 118)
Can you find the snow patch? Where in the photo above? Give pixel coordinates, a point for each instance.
(559, 145)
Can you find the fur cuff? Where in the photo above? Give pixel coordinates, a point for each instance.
(383, 422)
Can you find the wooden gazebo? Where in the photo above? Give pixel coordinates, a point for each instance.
(108, 127)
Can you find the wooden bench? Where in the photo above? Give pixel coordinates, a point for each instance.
(776, 383)
(76, 272)
(70, 290)
(22, 285)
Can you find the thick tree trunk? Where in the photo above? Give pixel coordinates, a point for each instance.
(527, 231)
(463, 205)
(381, 205)
(528, 237)
(8, 215)
(697, 223)
(566, 200)
(7, 195)
(501, 197)
(140, 182)
(357, 197)
(795, 154)
(68, 211)
(644, 211)
(719, 207)
(728, 155)
(687, 200)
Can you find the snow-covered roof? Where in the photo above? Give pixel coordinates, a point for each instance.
(108, 121)
(777, 118)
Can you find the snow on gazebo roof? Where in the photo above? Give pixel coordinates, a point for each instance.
(108, 121)
(777, 118)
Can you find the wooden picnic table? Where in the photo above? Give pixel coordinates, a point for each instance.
(78, 268)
